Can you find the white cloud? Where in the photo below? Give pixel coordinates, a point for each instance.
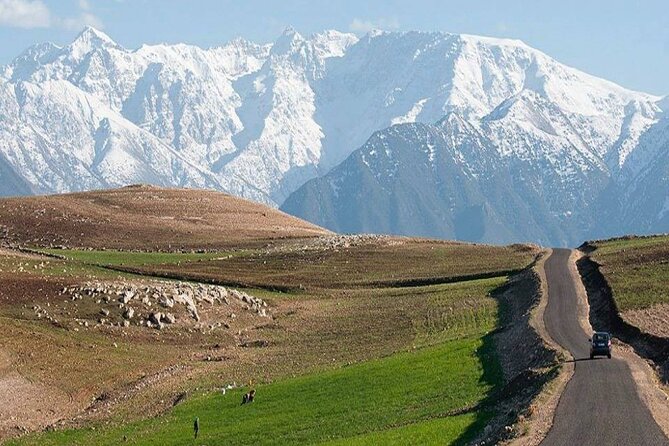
(82, 20)
(36, 14)
(85, 18)
(24, 14)
(361, 26)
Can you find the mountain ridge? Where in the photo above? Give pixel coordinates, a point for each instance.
(529, 202)
(260, 120)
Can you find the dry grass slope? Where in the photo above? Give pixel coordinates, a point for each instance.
(637, 270)
(383, 262)
(347, 303)
(146, 218)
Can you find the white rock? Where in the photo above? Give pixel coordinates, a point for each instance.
(156, 317)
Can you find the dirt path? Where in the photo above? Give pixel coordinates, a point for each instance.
(27, 405)
(6, 252)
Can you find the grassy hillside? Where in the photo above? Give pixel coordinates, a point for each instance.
(414, 394)
(427, 340)
(131, 258)
(146, 218)
(366, 339)
(637, 270)
(384, 262)
(408, 396)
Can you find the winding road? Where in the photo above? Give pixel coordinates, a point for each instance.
(600, 404)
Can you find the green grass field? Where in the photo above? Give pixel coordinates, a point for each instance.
(424, 395)
(637, 270)
(56, 268)
(132, 258)
(434, 431)
(407, 395)
(349, 361)
(367, 266)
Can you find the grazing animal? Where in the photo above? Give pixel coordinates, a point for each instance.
(248, 398)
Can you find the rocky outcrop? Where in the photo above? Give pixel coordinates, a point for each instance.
(140, 304)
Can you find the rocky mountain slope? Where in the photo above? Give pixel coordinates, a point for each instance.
(237, 118)
(259, 121)
(565, 156)
(464, 180)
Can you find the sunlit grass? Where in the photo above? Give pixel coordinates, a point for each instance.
(408, 394)
(637, 270)
(132, 258)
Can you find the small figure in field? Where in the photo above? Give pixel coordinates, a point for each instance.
(248, 398)
(196, 427)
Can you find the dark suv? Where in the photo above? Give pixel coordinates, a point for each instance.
(600, 344)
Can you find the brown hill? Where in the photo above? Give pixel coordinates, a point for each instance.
(145, 217)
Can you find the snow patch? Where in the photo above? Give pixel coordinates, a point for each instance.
(411, 115)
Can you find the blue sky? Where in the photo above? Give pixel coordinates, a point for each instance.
(624, 41)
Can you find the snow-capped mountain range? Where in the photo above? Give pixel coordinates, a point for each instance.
(529, 138)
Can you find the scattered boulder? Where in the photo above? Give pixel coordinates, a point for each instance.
(135, 300)
(156, 317)
(166, 302)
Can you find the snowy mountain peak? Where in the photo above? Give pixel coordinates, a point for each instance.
(289, 31)
(664, 104)
(371, 34)
(36, 52)
(28, 61)
(497, 42)
(92, 34)
(260, 120)
(332, 43)
(288, 41)
(90, 39)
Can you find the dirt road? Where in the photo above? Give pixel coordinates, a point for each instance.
(600, 405)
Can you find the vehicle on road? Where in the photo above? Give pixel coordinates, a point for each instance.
(600, 344)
